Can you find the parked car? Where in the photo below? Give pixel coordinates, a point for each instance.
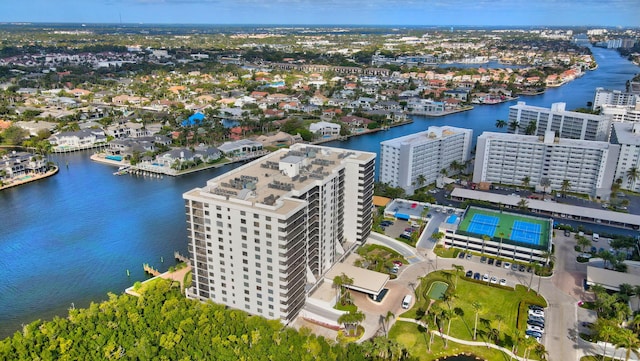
(507, 265)
(535, 328)
(535, 319)
(461, 255)
(567, 233)
(493, 280)
(469, 255)
(536, 307)
(469, 273)
(514, 267)
(490, 261)
(535, 323)
(499, 263)
(485, 277)
(476, 276)
(405, 236)
(397, 263)
(503, 282)
(532, 333)
(483, 259)
(536, 313)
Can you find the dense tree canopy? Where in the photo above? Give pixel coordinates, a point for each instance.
(163, 325)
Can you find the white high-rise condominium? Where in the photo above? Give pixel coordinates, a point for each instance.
(613, 97)
(532, 120)
(262, 235)
(587, 166)
(627, 135)
(416, 160)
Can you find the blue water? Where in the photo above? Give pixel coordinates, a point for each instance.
(72, 237)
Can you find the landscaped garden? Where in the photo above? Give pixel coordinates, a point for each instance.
(379, 258)
(496, 314)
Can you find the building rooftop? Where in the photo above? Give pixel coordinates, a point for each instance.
(271, 181)
(432, 133)
(625, 133)
(364, 280)
(521, 138)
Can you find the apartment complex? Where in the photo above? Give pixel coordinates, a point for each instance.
(262, 235)
(589, 166)
(613, 97)
(418, 159)
(627, 135)
(563, 123)
(621, 113)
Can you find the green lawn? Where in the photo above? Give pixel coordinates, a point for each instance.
(415, 339)
(510, 303)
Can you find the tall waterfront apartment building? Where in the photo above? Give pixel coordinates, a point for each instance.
(407, 160)
(565, 124)
(621, 113)
(627, 135)
(613, 97)
(509, 158)
(262, 235)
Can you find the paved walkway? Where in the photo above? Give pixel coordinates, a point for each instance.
(466, 342)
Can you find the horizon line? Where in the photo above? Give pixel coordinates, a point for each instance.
(18, 23)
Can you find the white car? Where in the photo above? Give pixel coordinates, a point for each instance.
(535, 328)
(507, 265)
(503, 282)
(485, 277)
(537, 313)
(494, 280)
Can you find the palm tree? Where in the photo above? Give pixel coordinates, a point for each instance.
(523, 204)
(545, 183)
(633, 174)
(421, 180)
(351, 319)
(514, 125)
(531, 128)
(583, 242)
(565, 187)
(526, 181)
(529, 344)
(458, 268)
(476, 307)
(448, 315)
(629, 341)
(443, 171)
(501, 123)
(499, 317)
(388, 318)
(605, 331)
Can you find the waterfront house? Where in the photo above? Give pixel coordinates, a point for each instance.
(240, 148)
(323, 129)
(82, 139)
(16, 164)
(280, 139)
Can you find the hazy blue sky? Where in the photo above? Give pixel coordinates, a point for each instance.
(371, 12)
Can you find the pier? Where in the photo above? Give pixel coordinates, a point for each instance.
(181, 258)
(150, 270)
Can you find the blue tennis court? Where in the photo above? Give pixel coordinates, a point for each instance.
(526, 232)
(483, 224)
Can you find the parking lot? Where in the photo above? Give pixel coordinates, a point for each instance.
(495, 271)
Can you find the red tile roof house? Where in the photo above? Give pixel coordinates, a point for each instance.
(237, 133)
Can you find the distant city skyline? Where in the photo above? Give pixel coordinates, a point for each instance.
(622, 13)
